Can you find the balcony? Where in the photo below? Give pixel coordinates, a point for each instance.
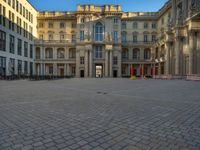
(53, 42)
(131, 43)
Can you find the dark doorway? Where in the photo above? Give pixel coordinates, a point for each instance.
(82, 73)
(115, 73)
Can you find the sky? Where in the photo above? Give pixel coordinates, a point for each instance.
(70, 5)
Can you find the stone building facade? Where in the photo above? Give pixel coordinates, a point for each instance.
(104, 41)
(17, 32)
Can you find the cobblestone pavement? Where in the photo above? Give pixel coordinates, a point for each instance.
(99, 114)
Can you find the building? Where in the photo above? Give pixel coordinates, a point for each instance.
(104, 41)
(17, 32)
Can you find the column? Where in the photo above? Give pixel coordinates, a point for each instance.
(111, 63)
(65, 70)
(130, 54)
(68, 70)
(129, 69)
(54, 53)
(86, 63)
(67, 53)
(159, 68)
(119, 64)
(106, 63)
(54, 69)
(77, 63)
(191, 46)
(167, 61)
(142, 54)
(40, 70)
(91, 63)
(198, 52)
(43, 70)
(177, 53)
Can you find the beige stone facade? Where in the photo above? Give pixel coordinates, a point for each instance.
(104, 41)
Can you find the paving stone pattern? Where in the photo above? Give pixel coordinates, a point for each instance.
(99, 114)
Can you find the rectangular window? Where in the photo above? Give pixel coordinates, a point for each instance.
(24, 11)
(153, 38)
(98, 52)
(4, 16)
(145, 25)
(10, 22)
(31, 51)
(19, 47)
(31, 68)
(2, 66)
(17, 6)
(12, 44)
(41, 36)
(134, 38)
(145, 38)
(115, 20)
(82, 60)
(30, 33)
(73, 38)
(19, 66)
(13, 4)
(25, 67)
(2, 41)
(115, 36)
(81, 35)
(13, 22)
(20, 8)
(1, 14)
(115, 60)
(50, 37)
(25, 49)
(12, 66)
(9, 2)
(62, 25)
(50, 25)
(153, 25)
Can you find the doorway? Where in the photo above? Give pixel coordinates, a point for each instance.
(61, 72)
(115, 73)
(98, 71)
(82, 73)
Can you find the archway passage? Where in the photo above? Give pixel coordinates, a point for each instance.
(98, 71)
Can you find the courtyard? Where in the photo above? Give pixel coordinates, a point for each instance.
(100, 114)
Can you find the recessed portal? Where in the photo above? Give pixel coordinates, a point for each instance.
(99, 71)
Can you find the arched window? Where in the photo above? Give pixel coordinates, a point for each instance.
(99, 32)
(123, 36)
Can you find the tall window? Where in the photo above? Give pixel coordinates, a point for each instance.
(62, 25)
(135, 25)
(123, 36)
(31, 51)
(145, 38)
(81, 35)
(153, 25)
(31, 68)
(98, 32)
(2, 66)
(147, 54)
(146, 25)
(135, 37)
(19, 66)
(12, 44)
(123, 25)
(82, 60)
(50, 37)
(153, 38)
(98, 52)
(116, 20)
(115, 38)
(2, 41)
(25, 67)
(12, 66)
(50, 25)
(19, 47)
(25, 49)
(115, 60)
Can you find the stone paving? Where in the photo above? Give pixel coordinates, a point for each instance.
(99, 114)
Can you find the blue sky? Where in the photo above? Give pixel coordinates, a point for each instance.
(70, 5)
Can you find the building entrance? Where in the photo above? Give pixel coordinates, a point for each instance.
(98, 71)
